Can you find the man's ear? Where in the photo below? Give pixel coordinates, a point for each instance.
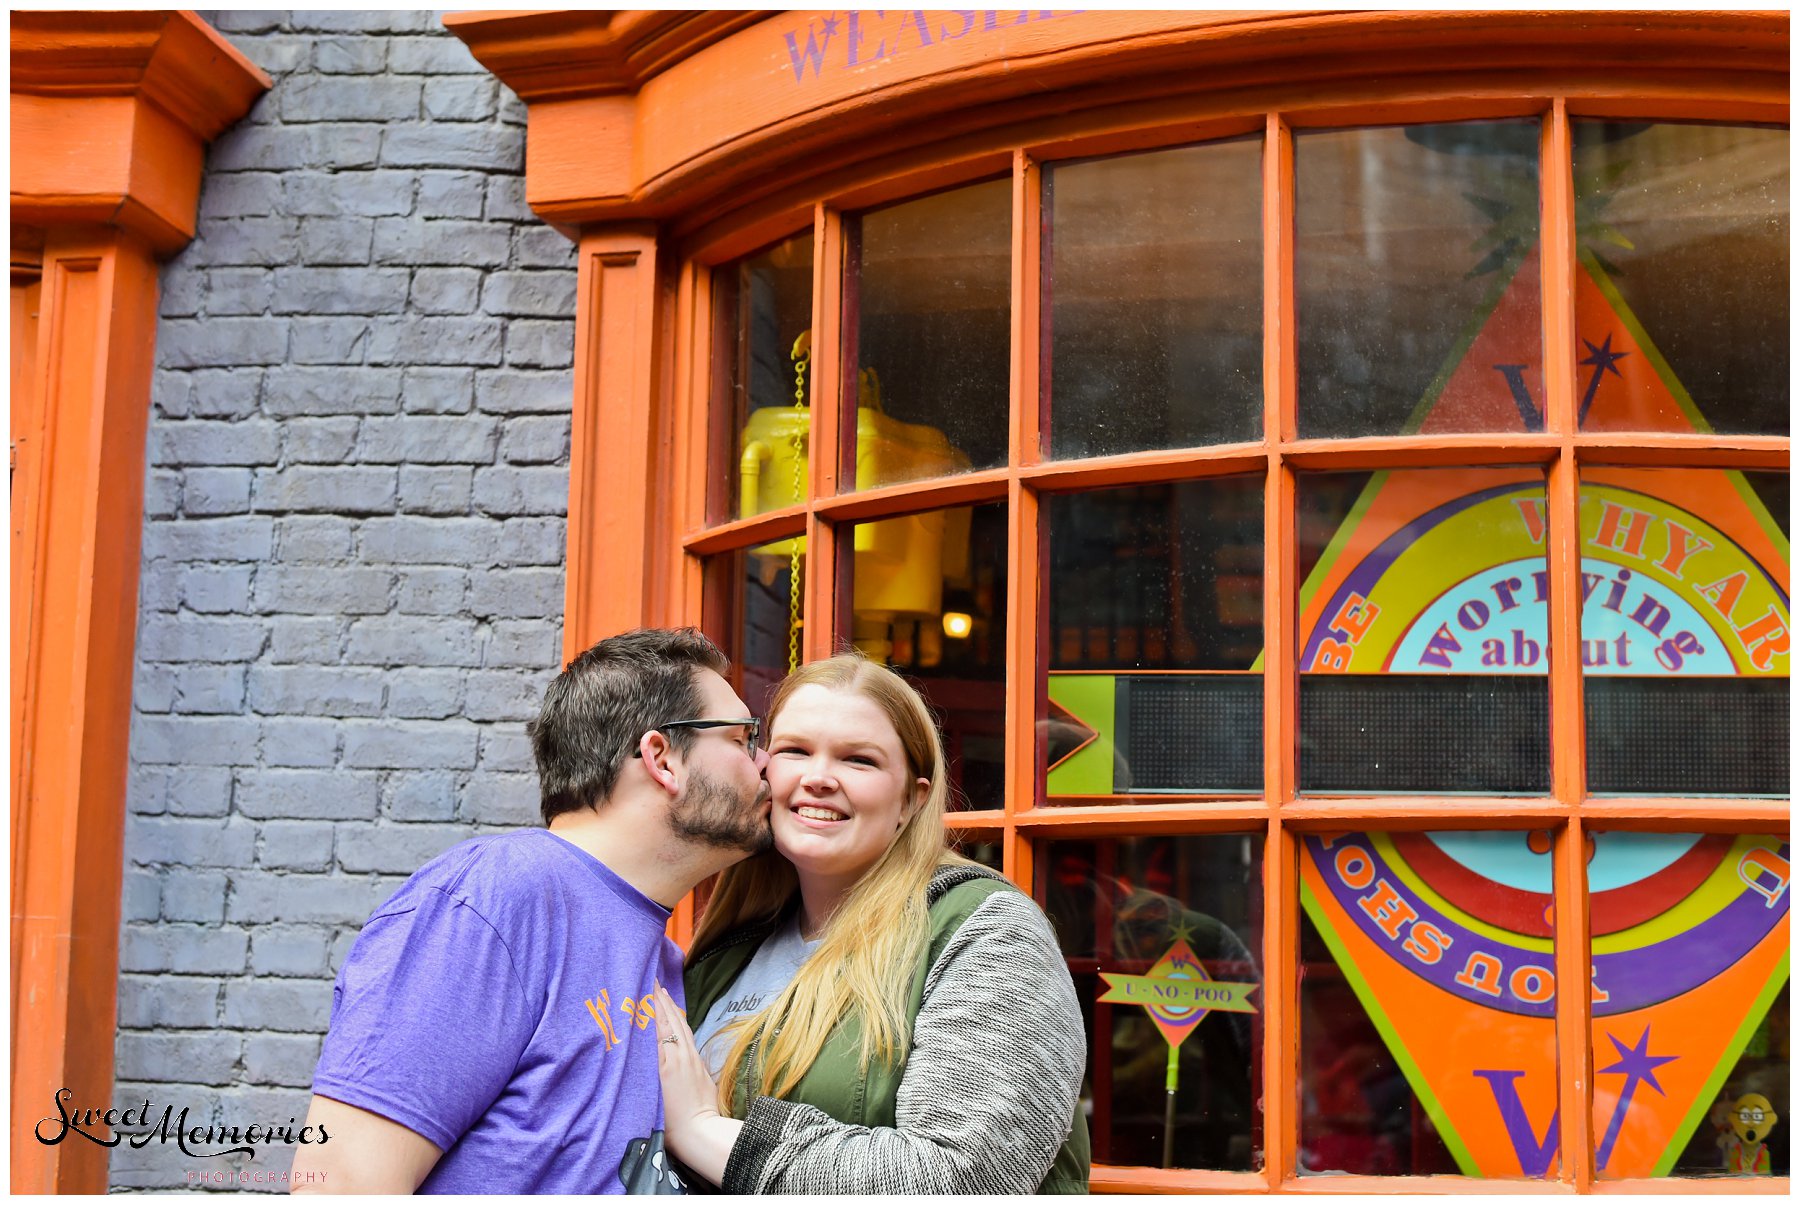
(658, 757)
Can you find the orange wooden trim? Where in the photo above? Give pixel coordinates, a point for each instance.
(1388, 1186)
(1221, 816)
(1688, 815)
(1482, 102)
(1737, 104)
(1568, 746)
(1281, 1005)
(1280, 392)
(1030, 406)
(967, 489)
(689, 396)
(1574, 971)
(1026, 684)
(1403, 814)
(827, 580)
(616, 441)
(1090, 133)
(1416, 451)
(747, 533)
(1556, 191)
(82, 524)
(1776, 1186)
(1164, 1181)
(553, 55)
(1683, 450)
(1147, 468)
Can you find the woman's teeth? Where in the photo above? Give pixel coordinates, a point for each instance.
(812, 813)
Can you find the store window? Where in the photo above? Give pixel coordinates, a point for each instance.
(1350, 565)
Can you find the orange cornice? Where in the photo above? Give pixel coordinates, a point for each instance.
(111, 114)
(551, 55)
(695, 116)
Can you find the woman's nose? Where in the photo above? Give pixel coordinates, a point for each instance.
(817, 776)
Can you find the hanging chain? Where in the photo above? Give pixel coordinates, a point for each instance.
(804, 358)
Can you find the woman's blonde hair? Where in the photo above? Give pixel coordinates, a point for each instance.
(867, 951)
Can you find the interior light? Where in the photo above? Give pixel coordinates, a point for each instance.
(957, 625)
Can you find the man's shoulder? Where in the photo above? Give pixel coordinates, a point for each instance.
(484, 872)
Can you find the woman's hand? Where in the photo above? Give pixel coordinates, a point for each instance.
(692, 1127)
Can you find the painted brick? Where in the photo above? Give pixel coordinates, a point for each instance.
(207, 492)
(339, 489)
(450, 194)
(181, 297)
(289, 953)
(431, 591)
(471, 340)
(431, 56)
(425, 694)
(536, 441)
(216, 589)
(183, 639)
(183, 949)
(366, 21)
(293, 640)
(318, 440)
(420, 541)
(157, 1002)
(298, 742)
(288, 1005)
(349, 56)
(171, 393)
(394, 848)
(529, 644)
(337, 242)
(438, 745)
(382, 98)
(506, 748)
(329, 341)
(159, 585)
(281, 1058)
(426, 439)
(214, 443)
(504, 695)
(516, 593)
(313, 538)
(140, 895)
(294, 390)
(239, 242)
(202, 343)
(153, 688)
(439, 390)
(209, 689)
(404, 640)
(162, 840)
(508, 799)
(446, 291)
(243, 539)
(505, 490)
(321, 690)
(506, 200)
(247, 21)
(192, 895)
(529, 294)
(226, 392)
(238, 291)
(340, 290)
(260, 897)
(295, 845)
(533, 542)
(410, 243)
(358, 590)
(179, 1058)
(464, 98)
(307, 794)
(540, 344)
(543, 247)
(239, 195)
(193, 740)
(523, 392)
(436, 491)
(199, 790)
(423, 796)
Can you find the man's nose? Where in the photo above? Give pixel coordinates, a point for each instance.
(762, 760)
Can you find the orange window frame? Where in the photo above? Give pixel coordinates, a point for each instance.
(1561, 450)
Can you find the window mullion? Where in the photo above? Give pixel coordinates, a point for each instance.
(1024, 619)
(826, 603)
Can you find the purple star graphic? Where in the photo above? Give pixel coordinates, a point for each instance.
(1636, 1064)
(829, 27)
(1603, 360)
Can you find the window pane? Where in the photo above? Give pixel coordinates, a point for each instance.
(929, 599)
(1155, 682)
(1154, 299)
(1682, 300)
(1685, 631)
(1416, 279)
(981, 846)
(749, 599)
(1690, 1024)
(1423, 621)
(1428, 1005)
(928, 296)
(1163, 937)
(762, 305)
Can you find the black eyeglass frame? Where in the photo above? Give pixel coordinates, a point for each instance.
(751, 723)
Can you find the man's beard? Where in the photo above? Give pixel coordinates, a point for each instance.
(713, 814)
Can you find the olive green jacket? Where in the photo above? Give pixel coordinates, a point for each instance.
(986, 1098)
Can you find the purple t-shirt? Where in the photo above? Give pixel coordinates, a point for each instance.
(501, 1005)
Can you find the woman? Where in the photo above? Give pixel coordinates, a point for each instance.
(886, 1016)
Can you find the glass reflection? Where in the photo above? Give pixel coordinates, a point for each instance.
(1428, 1005)
(1155, 600)
(762, 307)
(1689, 938)
(928, 296)
(750, 601)
(1162, 936)
(929, 598)
(1424, 617)
(1154, 299)
(1416, 279)
(1681, 304)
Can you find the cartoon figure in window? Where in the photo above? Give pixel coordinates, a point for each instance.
(1745, 1141)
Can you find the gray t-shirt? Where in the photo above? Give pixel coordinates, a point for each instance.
(770, 971)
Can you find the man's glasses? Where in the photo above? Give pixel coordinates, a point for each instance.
(752, 730)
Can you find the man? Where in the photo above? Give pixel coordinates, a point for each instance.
(492, 1030)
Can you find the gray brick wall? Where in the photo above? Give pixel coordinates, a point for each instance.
(353, 545)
